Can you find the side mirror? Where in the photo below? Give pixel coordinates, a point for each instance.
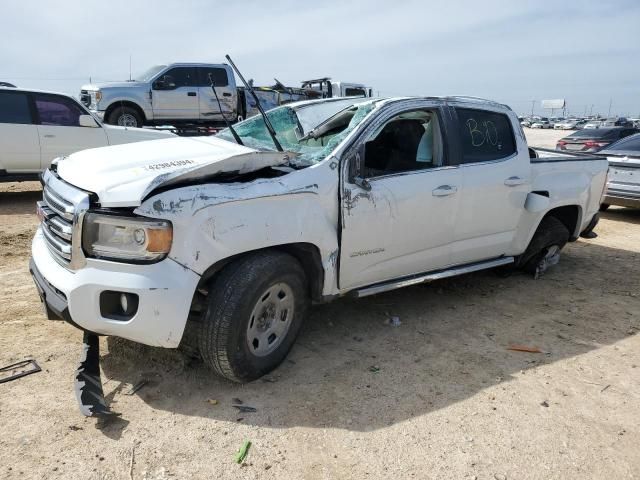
(87, 121)
(356, 168)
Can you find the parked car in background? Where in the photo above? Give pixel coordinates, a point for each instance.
(570, 124)
(623, 182)
(616, 122)
(593, 140)
(541, 124)
(36, 127)
(592, 124)
(526, 122)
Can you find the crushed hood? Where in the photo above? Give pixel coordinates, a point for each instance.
(123, 175)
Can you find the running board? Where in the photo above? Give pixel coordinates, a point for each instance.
(429, 277)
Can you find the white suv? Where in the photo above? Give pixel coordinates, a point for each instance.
(36, 127)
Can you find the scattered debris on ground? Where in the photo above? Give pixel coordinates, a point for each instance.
(19, 370)
(242, 453)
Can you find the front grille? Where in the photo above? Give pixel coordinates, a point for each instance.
(61, 211)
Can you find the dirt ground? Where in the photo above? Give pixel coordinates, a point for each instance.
(439, 396)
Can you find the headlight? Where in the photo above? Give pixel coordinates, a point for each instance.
(98, 96)
(126, 238)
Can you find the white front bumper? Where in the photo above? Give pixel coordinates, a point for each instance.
(165, 291)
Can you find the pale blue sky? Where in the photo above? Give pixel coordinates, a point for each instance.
(512, 51)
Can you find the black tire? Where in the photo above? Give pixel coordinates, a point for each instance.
(551, 232)
(233, 296)
(604, 207)
(125, 117)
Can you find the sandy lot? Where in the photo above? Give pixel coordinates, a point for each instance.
(448, 400)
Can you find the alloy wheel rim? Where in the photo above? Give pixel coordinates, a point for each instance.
(127, 120)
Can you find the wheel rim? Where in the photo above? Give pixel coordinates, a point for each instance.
(270, 319)
(127, 120)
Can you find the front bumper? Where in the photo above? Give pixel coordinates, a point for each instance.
(165, 290)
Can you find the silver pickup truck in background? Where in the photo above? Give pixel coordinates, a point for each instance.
(181, 93)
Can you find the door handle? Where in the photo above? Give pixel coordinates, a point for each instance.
(226, 94)
(49, 136)
(444, 190)
(191, 94)
(513, 181)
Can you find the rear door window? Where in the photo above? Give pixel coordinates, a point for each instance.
(57, 110)
(218, 75)
(14, 108)
(485, 135)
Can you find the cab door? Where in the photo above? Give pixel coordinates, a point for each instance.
(59, 129)
(175, 95)
(209, 109)
(400, 220)
(496, 178)
(19, 141)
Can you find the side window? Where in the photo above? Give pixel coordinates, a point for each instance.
(484, 135)
(409, 141)
(14, 108)
(57, 110)
(219, 76)
(354, 92)
(180, 77)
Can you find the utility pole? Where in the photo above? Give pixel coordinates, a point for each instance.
(610, 102)
(591, 111)
(533, 102)
(129, 67)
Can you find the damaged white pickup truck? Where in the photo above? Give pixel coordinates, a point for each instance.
(238, 233)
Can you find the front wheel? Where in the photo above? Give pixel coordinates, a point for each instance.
(125, 117)
(255, 309)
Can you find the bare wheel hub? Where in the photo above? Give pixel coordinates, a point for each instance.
(270, 319)
(550, 257)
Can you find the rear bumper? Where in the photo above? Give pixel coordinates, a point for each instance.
(621, 200)
(622, 194)
(164, 289)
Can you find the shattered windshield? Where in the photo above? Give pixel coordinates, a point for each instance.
(311, 145)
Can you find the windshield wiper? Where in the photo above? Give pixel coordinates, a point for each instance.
(224, 117)
(267, 122)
